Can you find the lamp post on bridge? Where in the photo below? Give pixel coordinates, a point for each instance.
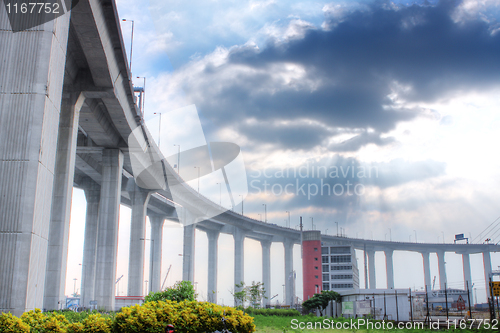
(241, 203)
(198, 179)
(337, 228)
(288, 218)
(159, 130)
(131, 42)
(143, 93)
(220, 194)
(265, 212)
(178, 160)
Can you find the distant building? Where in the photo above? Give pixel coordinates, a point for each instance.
(327, 265)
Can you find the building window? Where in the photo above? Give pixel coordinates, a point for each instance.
(315, 249)
(341, 258)
(341, 285)
(341, 268)
(326, 277)
(342, 277)
(324, 260)
(316, 277)
(326, 268)
(326, 286)
(324, 250)
(315, 267)
(316, 259)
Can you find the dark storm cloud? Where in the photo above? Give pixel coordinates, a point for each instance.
(418, 53)
(294, 136)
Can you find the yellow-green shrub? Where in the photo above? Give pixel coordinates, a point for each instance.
(95, 323)
(11, 324)
(186, 316)
(45, 323)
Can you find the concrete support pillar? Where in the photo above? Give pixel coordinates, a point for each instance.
(107, 235)
(371, 269)
(156, 222)
(239, 258)
(427, 270)
(487, 271)
(213, 238)
(32, 72)
(139, 199)
(442, 270)
(93, 195)
(389, 268)
(289, 276)
(188, 253)
(467, 275)
(266, 269)
(57, 251)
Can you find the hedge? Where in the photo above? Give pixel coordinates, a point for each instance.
(152, 317)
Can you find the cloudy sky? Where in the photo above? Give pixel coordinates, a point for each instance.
(405, 94)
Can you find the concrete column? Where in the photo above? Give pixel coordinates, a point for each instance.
(389, 268)
(107, 235)
(93, 195)
(289, 276)
(139, 198)
(156, 222)
(266, 269)
(442, 270)
(188, 253)
(213, 238)
(32, 70)
(467, 275)
(239, 257)
(57, 251)
(371, 269)
(427, 270)
(487, 271)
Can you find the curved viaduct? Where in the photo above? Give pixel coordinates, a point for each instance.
(67, 108)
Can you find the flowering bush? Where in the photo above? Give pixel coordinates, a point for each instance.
(12, 324)
(151, 317)
(186, 316)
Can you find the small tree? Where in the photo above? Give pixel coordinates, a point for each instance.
(321, 301)
(256, 293)
(239, 294)
(180, 291)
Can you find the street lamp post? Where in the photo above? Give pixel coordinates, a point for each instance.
(312, 223)
(415, 231)
(143, 93)
(178, 160)
(241, 203)
(390, 234)
(265, 212)
(159, 130)
(131, 41)
(74, 288)
(337, 228)
(220, 194)
(288, 218)
(198, 179)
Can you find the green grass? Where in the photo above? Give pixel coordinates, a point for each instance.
(275, 324)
